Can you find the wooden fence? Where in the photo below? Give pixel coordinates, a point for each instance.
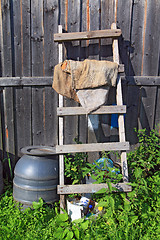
(28, 55)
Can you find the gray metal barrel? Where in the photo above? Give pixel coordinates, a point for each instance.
(36, 175)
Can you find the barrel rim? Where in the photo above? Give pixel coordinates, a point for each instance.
(39, 150)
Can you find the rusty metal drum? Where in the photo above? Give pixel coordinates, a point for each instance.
(36, 175)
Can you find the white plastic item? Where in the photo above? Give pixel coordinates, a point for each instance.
(74, 211)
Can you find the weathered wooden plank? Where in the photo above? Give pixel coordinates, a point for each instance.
(157, 112)
(60, 129)
(92, 147)
(124, 22)
(38, 120)
(150, 63)
(98, 34)
(83, 120)
(38, 93)
(50, 27)
(137, 35)
(150, 56)
(81, 111)
(94, 130)
(37, 38)
(25, 81)
(50, 60)
(50, 120)
(1, 125)
(1, 91)
(8, 70)
(142, 80)
(23, 118)
(92, 188)
(135, 64)
(73, 51)
(47, 81)
(106, 19)
(21, 13)
(18, 37)
(23, 135)
(119, 98)
(147, 107)
(131, 123)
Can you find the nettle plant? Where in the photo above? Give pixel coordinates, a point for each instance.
(132, 216)
(77, 168)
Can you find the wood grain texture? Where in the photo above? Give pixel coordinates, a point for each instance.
(150, 64)
(124, 21)
(94, 129)
(38, 93)
(50, 16)
(147, 107)
(136, 36)
(83, 120)
(72, 24)
(27, 49)
(82, 111)
(8, 94)
(23, 97)
(23, 118)
(92, 147)
(157, 112)
(119, 98)
(91, 188)
(108, 33)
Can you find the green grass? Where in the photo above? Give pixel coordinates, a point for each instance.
(135, 215)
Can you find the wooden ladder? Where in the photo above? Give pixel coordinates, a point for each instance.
(120, 109)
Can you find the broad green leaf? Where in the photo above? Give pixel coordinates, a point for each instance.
(110, 186)
(69, 235)
(80, 220)
(76, 232)
(102, 204)
(62, 217)
(65, 232)
(84, 225)
(101, 191)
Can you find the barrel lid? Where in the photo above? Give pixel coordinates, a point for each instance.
(39, 150)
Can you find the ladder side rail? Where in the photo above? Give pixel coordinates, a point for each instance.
(61, 135)
(120, 117)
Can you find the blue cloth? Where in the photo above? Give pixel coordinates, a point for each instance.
(106, 162)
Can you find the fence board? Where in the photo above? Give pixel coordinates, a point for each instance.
(23, 97)
(1, 125)
(38, 93)
(94, 130)
(50, 127)
(106, 19)
(23, 118)
(50, 60)
(27, 49)
(8, 100)
(83, 120)
(72, 24)
(147, 107)
(124, 21)
(38, 119)
(150, 63)
(157, 112)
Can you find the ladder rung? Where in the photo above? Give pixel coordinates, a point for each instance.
(70, 111)
(91, 188)
(92, 147)
(74, 36)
